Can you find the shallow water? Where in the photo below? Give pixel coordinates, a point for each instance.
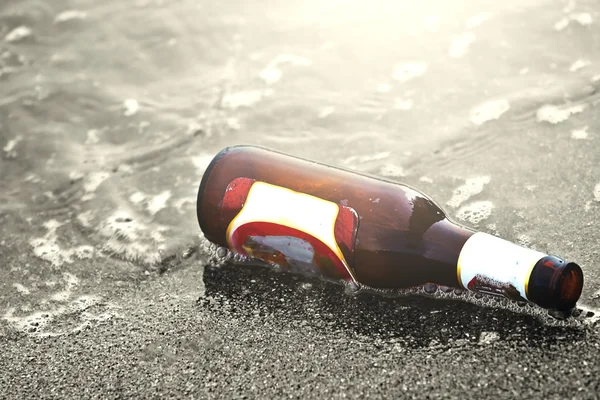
(110, 112)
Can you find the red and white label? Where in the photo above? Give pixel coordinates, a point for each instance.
(303, 233)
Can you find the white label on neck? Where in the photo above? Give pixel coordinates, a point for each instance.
(490, 265)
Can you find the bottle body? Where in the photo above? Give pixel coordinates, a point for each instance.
(317, 219)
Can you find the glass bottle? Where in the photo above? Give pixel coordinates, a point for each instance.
(316, 219)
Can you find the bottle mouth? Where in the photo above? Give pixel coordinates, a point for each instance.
(555, 283)
(571, 283)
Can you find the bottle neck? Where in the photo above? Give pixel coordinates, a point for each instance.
(488, 264)
(444, 241)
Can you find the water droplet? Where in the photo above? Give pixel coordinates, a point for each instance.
(351, 288)
(558, 314)
(430, 288)
(407, 71)
(446, 289)
(555, 114)
(222, 252)
(489, 110)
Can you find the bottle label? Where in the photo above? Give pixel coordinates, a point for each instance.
(299, 232)
(490, 265)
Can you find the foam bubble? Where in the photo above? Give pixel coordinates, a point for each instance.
(444, 292)
(137, 197)
(583, 18)
(492, 228)
(75, 175)
(488, 111)
(32, 322)
(403, 104)
(561, 24)
(21, 289)
(85, 217)
(391, 170)
(72, 315)
(37, 320)
(475, 212)
(478, 19)
(597, 192)
(426, 179)
(84, 252)
(471, 187)
(272, 73)
(18, 34)
(70, 282)
(47, 247)
(246, 98)
(131, 107)
(218, 256)
(524, 240)
(326, 111)
(579, 133)
(158, 202)
(69, 15)
(132, 240)
(33, 178)
(460, 44)
(554, 115)
(410, 70)
(92, 182)
(9, 148)
(92, 136)
(579, 64)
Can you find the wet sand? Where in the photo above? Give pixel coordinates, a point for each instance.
(257, 334)
(110, 112)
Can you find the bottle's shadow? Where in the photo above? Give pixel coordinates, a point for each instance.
(287, 300)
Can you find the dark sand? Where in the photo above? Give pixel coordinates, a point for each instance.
(109, 114)
(259, 334)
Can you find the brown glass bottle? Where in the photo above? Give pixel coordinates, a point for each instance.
(345, 225)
